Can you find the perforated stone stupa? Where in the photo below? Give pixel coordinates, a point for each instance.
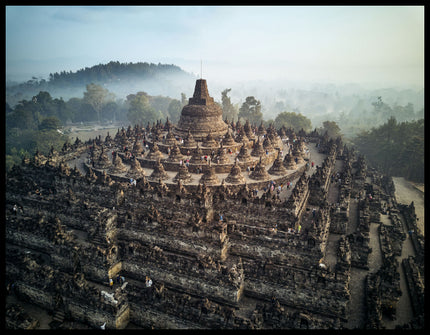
(201, 115)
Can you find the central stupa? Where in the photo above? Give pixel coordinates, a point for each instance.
(201, 116)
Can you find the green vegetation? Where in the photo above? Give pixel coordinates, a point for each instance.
(140, 111)
(331, 128)
(229, 111)
(97, 97)
(251, 110)
(293, 120)
(37, 124)
(396, 149)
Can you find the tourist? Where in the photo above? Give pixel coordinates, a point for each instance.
(111, 283)
(322, 266)
(148, 282)
(312, 165)
(15, 209)
(103, 326)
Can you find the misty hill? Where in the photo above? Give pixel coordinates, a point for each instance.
(120, 78)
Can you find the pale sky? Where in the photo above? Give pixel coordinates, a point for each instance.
(381, 44)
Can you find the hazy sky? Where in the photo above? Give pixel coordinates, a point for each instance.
(327, 44)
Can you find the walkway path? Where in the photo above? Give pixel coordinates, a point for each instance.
(404, 312)
(406, 193)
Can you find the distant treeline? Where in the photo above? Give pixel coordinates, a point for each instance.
(112, 71)
(395, 149)
(115, 76)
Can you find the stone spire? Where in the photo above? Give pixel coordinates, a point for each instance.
(267, 144)
(228, 140)
(189, 141)
(261, 129)
(154, 153)
(103, 161)
(259, 172)
(201, 115)
(209, 141)
(258, 150)
(235, 176)
(170, 139)
(243, 154)
(248, 130)
(159, 172)
(240, 134)
(278, 168)
(222, 157)
(117, 165)
(175, 154)
(135, 170)
(209, 176)
(196, 158)
(137, 147)
(297, 154)
(201, 94)
(289, 162)
(183, 174)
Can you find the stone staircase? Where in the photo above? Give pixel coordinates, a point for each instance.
(58, 318)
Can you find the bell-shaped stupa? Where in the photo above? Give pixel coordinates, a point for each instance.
(201, 115)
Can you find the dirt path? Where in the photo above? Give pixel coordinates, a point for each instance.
(406, 192)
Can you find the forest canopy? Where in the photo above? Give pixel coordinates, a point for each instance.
(396, 149)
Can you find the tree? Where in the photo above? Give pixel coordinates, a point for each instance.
(332, 129)
(251, 110)
(97, 96)
(50, 123)
(174, 109)
(140, 111)
(229, 111)
(293, 120)
(395, 149)
(110, 111)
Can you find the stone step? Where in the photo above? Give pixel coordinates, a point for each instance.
(58, 316)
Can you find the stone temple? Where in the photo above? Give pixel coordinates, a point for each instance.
(201, 116)
(209, 224)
